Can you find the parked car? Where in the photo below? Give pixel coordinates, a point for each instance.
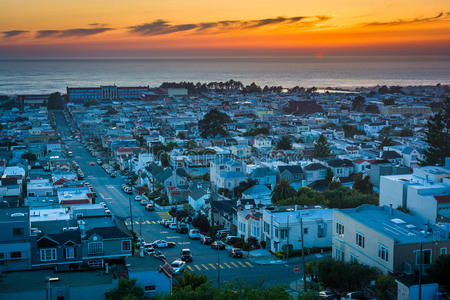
(160, 255)
(205, 240)
(150, 207)
(194, 234)
(182, 228)
(222, 234)
(137, 198)
(328, 295)
(99, 161)
(149, 249)
(172, 226)
(92, 163)
(186, 255)
(356, 295)
(163, 244)
(178, 266)
(218, 245)
(236, 252)
(230, 240)
(144, 202)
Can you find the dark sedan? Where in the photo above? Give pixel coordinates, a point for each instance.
(236, 252)
(218, 245)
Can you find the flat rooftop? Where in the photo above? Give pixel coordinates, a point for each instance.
(36, 280)
(402, 227)
(49, 214)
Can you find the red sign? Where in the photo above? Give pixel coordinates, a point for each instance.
(296, 269)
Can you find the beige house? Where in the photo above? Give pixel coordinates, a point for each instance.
(386, 238)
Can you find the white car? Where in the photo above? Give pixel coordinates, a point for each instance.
(178, 266)
(173, 226)
(194, 234)
(137, 198)
(163, 244)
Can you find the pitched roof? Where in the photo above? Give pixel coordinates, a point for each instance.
(336, 163)
(108, 232)
(390, 155)
(257, 189)
(314, 166)
(262, 172)
(294, 169)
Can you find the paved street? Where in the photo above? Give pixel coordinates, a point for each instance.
(146, 224)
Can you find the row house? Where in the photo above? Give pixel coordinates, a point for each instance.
(387, 239)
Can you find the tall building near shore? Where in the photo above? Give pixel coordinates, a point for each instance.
(107, 92)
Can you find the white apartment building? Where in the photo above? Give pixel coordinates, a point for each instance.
(281, 227)
(426, 192)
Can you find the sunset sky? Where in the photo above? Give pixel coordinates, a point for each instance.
(155, 28)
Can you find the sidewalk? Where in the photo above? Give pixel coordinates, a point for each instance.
(270, 259)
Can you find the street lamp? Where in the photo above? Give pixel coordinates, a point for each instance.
(49, 280)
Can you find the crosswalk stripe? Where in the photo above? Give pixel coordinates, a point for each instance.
(249, 264)
(143, 222)
(234, 264)
(153, 222)
(136, 222)
(206, 268)
(159, 222)
(126, 223)
(190, 268)
(198, 268)
(148, 222)
(244, 266)
(212, 266)
(227, 265)
(220, 266)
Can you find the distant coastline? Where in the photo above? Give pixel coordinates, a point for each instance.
(26, 76)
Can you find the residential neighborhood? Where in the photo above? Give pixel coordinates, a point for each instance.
(105, 180)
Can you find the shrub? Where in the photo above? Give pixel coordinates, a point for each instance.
(263, 244)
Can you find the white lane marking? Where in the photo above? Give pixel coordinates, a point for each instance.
(173, 237)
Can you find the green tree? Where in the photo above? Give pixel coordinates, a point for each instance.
(191, 280)
(406, 132)
(127, 290)
(439, 271)
(55, 101)
(213, 124)
(351, 130)
(344, 197)
(165, 159)
(386, 142)
(362, 183)
(284, 143)
(282, 191)
(372, 108)
(90, 102)
(343, 277)
(438, 137)
(329, 177)
(29, 156)
(321, 148)
(358, 103)
(384, 286)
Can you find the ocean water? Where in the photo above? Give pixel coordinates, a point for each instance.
(44, 76)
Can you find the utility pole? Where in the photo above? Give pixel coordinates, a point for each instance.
(131, 213)
(287, 233)
(303, 253)
(420, 270)
(218, 266)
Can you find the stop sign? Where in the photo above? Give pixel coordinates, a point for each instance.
(296, 269)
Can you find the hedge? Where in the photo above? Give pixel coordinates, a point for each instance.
(298, 252)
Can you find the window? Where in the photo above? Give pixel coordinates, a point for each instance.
(95, 248)
(150, 287)
(443, 251)
(283, 233)
(305, 230)
(276, 232)
(426, 259)
(339, 228)
(353, 258)
(383, 253)
(339, 254)
(48, 254)
(18, 231)
(360, 240)
(96, 263)
(266, 227)
(320, 230)
(16, 254)
(126, 245)
(70, 252)
(2, 258)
